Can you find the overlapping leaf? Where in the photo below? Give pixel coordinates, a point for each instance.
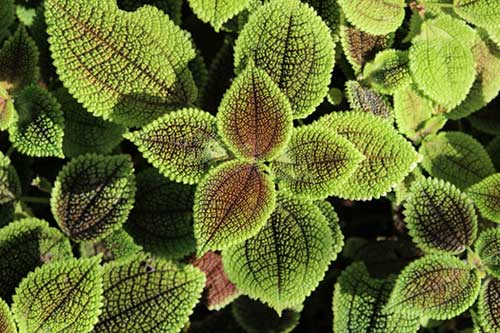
(329, 11)
(7, 112)
(365, 99)
(7, 324)
(332, 218)
(489, 305)
(483, 13)
(389, 71)
(486, 196)
(293, 45)
(217, 12)
(171, 7)
(93, 195)
(116, 246)
(129, 67)
(488, 249)
(10, 186)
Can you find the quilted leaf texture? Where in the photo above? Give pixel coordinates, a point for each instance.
(93, 195)
(60, 297)
(288, 40)
(231, 204)
(286, 260)
(95, 50)
(486, 196)
(116, 246)
(7, 17)
(171, 7)
(440, 218)
(359, 301)
(315, 161)
(374, 17)
(367, 100)
(7, 112)
(143, 294)
(389, 71)
(489, 305)
(7, 324)
(217, 12)
(24, 245)
(182, 145)
(456, 157)
(255, 117)
(39, 128)
(10, 186)
(332, 218)
(389, 158)
(162, 218)
(483, 13)
(435, 286)
(488, 248)
(329, 11)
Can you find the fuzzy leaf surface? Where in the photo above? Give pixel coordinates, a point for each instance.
(7, 324)
(389, 71)
(488, 248)
(217, 12)
(365, 99)
(489, 305)
(486, 196)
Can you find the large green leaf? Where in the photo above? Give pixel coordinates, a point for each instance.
(489, 305)
(7, 324)
(486, 196)
(488, 249)
(129, 67)
(217, 12)
(483, 13)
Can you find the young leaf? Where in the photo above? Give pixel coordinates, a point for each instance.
(367, 100)
(488, 305)
(435, 286)
(483, 13)
(39, 129)
(19, 60)
(295, 48)
(286, 260)
(332, 218)
(359, 301)
(144, 294)
(217, 12)
(488, 248)
(10, 186)
(456, 157)
(162, 218)
(389, 158)
(231, 204)
(93, 42)
(315, 161)
(8, 114)
(61, 297)
(7, 17)
(116, 246)
(389, 71)
(24, 245)
(182, 145)
(7, 324)
(486, 196)
(439, 217)
(171, 7)
(255, 117)
(93, 195)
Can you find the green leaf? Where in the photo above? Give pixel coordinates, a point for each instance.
(93, 195)
(332, 218)
(435, 286)
(10, 185)
(231, 204)
(25, 15)
(367, 100)
(162, 218)
(7, 324)
(483, 13)
(8, 114)
(19, 60)
(24, 245)
(330, 12)
(286, 260)
(389, 158)
(486, 196)
(488, 248)
(389, 71)
(61, 297)
(315, 161)
(255, 117)
(171, 7)
(359, 301)
(295, 49)
(182, 145)
(39, 128)
(374, 17)
(92, 42)
(493, 150)
(456, 157)
(116, 246)
(144, 294)
(439, 217)
(217, 12)
(488, 305)
(7, 17)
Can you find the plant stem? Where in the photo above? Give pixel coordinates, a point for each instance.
(38, 200)
(10, 151)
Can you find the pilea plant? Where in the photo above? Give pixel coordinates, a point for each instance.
(229, 165)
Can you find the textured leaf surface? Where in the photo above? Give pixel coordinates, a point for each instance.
(7, 324)
(183, 145)
(93, 195)
(217, 12)
(293, 45)
(171, 7)
(389, 71)
(367, 100)
(286, 260)
(24, 245)
(332, 218)
(483, 13)
(389, 158)
(456, 157)
(489, 305)
(94, 46)
(116, 246)
(315, 161)
(439, 217)
(39, 128)
(7, 112)
(375, 17)
(143, 294)
(486, 196)
(10, 186)
(359, 301)
(231, 204)
(255, 117)
(329, 11)
(435, 286)
(162, 218)
(488, 249)
(61, 297)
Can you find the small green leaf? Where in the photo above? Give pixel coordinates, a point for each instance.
(483, 13)
(286, 260)
(315, 161)
(7, 17)
(439, 217)
(217, 12)
(10, 185)
(232, 203)
(150, 295)
(7, 324)
(488, 305)
(8, 114)
(389, 71)
(486, 196)
(456, 157)
(488, 248)
(435, 286)
(367, 100)
(93, 195)
(255, 117)
(182, 145)
(116, 246)
(61, 297)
